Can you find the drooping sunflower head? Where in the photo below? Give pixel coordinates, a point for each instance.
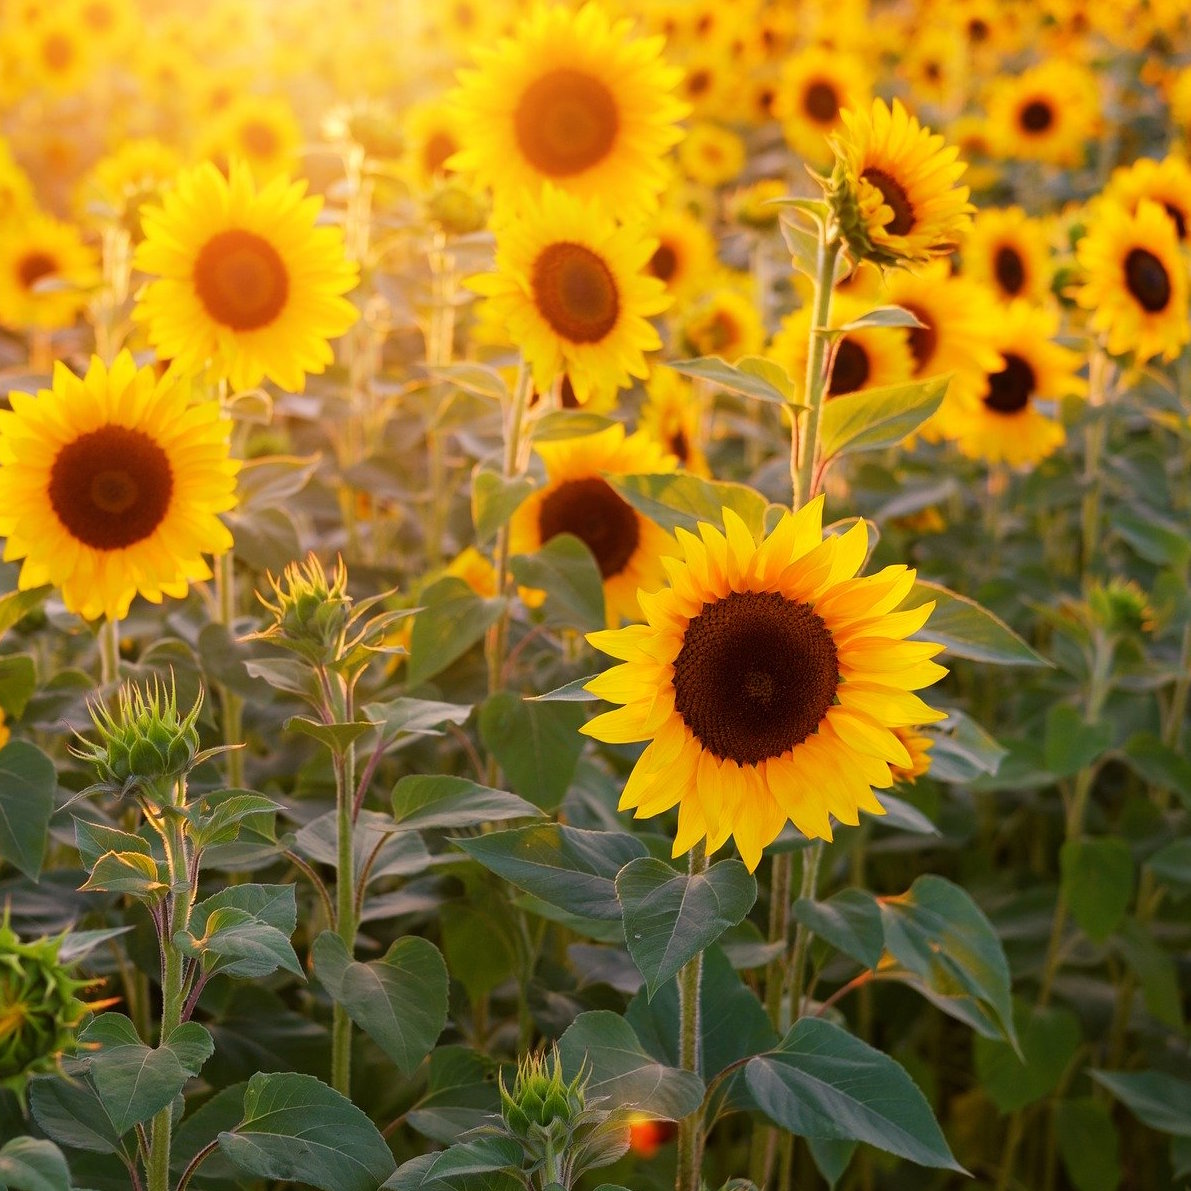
(575, 100)
(244, 281)
(1136, 281)
(816, 85)
(894, 188)
(577, 499)
(768, 679)
(1047, 113)
(110, 486)
(46, 270)
(572, 290)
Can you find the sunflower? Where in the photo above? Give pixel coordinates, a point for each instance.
(918, 745)
(40, 249)
(573, 100)
(711, 155)
(1005, 423)
(571, 288)
(136, 170)
(243, 279)
(894, 187)
(110, 486)
(16, 191)
(1136, 285)
(431, 137)
(108, 24)
(768, 680)
(56, 53)
(259, 130)
(816, 85)
(684, 254)
(576, 499)
(725, 322)
(1009, 251)
(1167, 182)
(672, 417)
(1048, 113)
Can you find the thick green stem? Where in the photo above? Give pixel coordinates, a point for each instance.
(812, 857)
(109, 652)
(690, 1128)
(1097, 433)
(440, 338)
(230, 703)
(345, 887)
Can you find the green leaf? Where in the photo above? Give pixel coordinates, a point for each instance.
(399, 1001)
(964, 751)
(244, 931)
(1049, 1038)
(570, 692)
(415, 717)
(968, 630)
(1157, 539)
(93, 840)
(831, 1157)
(822, 1082)
(937, 931)
(681, 500)
(536, 744)
(133, 1080)
(425, 802)
(1162, 767)
(670, 916)
(268, 483)
(476, 1157)
(850, 921)
(459, 1096)
(803, 246)
(872, 419)
(472, 378)
(882, 316)
(453, 620)
(337, 737)
(220, 818)
(414, 1176)
(1070, 743)
(1088, 1145)
(494, 500)
(568, 867)
(622, 1071)
(1155, 969)
(751, 376)
(565, 569)
(1161, 1101)
(27, 1164)
(127, 872)
(27, 785)
(16, 604)
(1172, 863)
(296, 1128)
(1097, 879)
(377, 839)
(71, 1112)
(568, 423)
(18, 680)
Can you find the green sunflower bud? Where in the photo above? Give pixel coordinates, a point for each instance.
(39, 1006)
(457, 209)
(844, 201)
(1120, 608)
(311, 612)
(541, 1100)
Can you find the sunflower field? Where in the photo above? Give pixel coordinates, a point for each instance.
(595, 595)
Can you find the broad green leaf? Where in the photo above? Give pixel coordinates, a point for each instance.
(872, 419)
(1088, 1145)
(483, 941)
(937, 931)
(434, 801)
(1049, 1038)
(670, 916)
(453, 620)
(622, 1071)
(296, 1128)
(571, 692)
(568, 423)
(27, 1164)
(1098, 883)
(1154, 967)
(1157, 539)
(18, 680)
(969, 631)
(883, 316)
(849, 920)
(127, 872)
(377, 839)
(268, 482)
(751, 376)
(681, 500)
(822, 1082)
(565, 866)
(803, 246)
(1161, 1101)
(494, 500)
(566, 571)
(1162, 767)
(536, 744)
(472, 378)
(1071, 743)
(459, 1096)
(399, 1001)
(414, 1176)
(964, 751)
(94, 840)
(16, 604)
(133, 1080)
(222, 817)
(337, 737)
(477, 1157)
(27, 785)
(832, 1158)
(71, 1112)
(415, 717)
(1172, 863)
(244, 931)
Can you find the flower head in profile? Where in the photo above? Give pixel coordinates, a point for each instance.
(243, 280)
(111, 485)
(769, 680)
(895, 187)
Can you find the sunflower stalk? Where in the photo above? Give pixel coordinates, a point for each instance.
(440, 338)
(1099, 368)
(109, 652)
(690, 1128)
(231, 704)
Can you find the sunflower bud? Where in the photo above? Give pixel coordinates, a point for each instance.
(39, 1009)
(1120, 608)
(541, 1103)
(456, 208)
(311, 612)
(147, 744)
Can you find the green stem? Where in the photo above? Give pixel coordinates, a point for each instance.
(440, 338)
(345, 901)
(1097, 433)
(109, 652)
(690, 1128)
(779, 930)
(804, 458)
(230, 703)
(812, 858)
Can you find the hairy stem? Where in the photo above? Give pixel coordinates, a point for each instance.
(690, 1128)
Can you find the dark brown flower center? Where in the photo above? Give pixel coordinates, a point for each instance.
(821, 102)
(978, 30)
(1037, 116)
(566, 394)
(111, 487)
(58, 51)
(1147, 280)
(755, 675)
(719, 334)
(33, 266)
(566, 122)
(924, 340)
(575, 292)
(893, 194)
(664, 262)
(259, 138)
(1009, 270)
(1180, 219)
(850, 370)
(439, 146)
(241, 279)
(679, 446)
(1010, 390)
(592, 511)
(698, 83)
